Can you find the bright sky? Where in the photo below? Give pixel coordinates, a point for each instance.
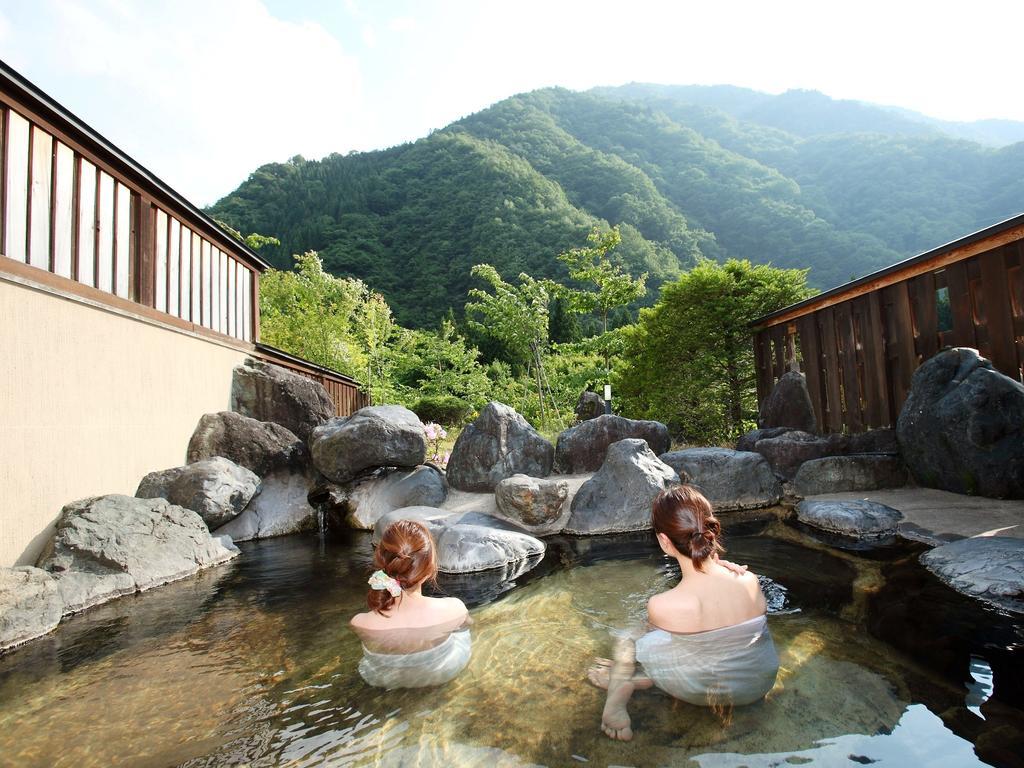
(202, 92)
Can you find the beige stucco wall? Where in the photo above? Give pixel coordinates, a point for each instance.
(91, 401)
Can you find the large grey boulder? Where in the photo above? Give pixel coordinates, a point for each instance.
(788, 451)
(860, 472)
(498, 444)
(730, 480)
(788, 405)
(268, 392)
(114, 545)
(30, 605)
(259, 446)
(856, 519)
(589, 406)
(748, 440)
(362, 502)
(583, 448)
(280, 508)
(469, 542)
(217, 488)
(961, 428)
(989, 567)
(372, 437)
(537, 504)
(618, 497)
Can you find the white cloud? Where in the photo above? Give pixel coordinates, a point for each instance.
(202, 92)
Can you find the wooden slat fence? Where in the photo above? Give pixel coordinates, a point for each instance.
(859, 353)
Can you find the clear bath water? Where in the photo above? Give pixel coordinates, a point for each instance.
(253, 664)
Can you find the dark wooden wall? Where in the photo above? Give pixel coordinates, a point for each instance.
(859, 354)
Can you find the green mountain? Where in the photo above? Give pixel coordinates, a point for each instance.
(797, 180)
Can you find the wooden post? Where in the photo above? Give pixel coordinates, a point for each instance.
(145, 253)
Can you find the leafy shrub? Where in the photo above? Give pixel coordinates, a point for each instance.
(443, 409)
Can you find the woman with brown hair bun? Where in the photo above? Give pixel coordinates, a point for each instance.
(708, 642)
(409, 640)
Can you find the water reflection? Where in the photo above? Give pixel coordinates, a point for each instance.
(254, 664)
(919, 738)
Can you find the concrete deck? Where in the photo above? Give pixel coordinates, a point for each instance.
(938, 517)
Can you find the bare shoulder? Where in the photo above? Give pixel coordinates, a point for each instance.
(363, 620)
(453, 607)
(675, 612)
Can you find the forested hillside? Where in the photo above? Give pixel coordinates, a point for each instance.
(796, 180)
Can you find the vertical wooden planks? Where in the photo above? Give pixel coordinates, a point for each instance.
(830, 357)
(778, 336)
(876, 372)
(852, 415)
(901, 328)
(998, 312)
(960, 305)
(810, 351)
(926, 317)
(762, 364)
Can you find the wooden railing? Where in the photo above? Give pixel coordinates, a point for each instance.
(72, 205)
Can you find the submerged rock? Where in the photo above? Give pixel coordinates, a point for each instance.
(961, 428)
(217, 489)
(861, 472)
(30, 605)
(989, 567)
(108, 546)
(618, 497)
(471, 541)
(372, 437)
(856, 519)
(499, 444)
(583, 448)
(788, 405)
(361, 503)
(259, 446)
(280, 508)
(730, 480)
(538, 504)
(268, 392)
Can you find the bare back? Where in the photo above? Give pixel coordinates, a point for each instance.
(413, 612)
(709, 599)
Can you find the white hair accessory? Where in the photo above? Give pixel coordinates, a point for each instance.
(380, 580)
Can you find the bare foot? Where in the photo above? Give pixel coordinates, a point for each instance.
(615, 720)
(600, 673)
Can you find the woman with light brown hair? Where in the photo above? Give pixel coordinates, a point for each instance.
(708, 641)
(410, 640)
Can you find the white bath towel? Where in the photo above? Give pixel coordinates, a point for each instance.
(730, 665)
(419, 669)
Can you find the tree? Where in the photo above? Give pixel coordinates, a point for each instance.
(312, 314)
(440, 364)
(606, 288)
(516, 315)
(689, 359)
(375, 327)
